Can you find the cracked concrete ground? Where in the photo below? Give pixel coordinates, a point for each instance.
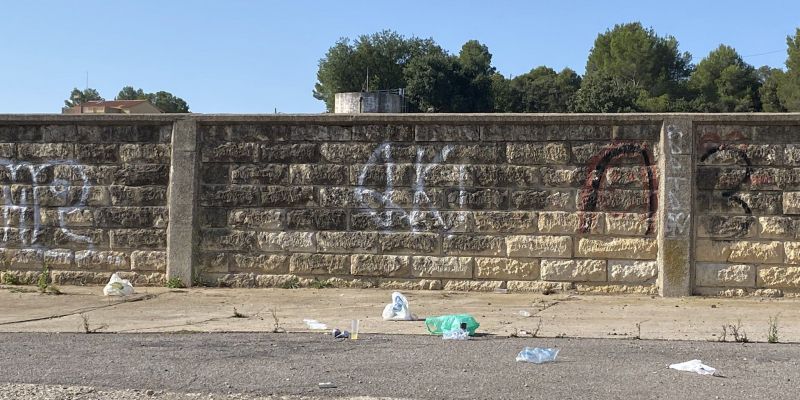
(151, 309)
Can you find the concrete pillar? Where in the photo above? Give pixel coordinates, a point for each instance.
(675, 198)
(182, 236)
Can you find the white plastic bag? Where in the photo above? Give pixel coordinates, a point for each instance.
(398, 309)
(118, 287)
(696, 366)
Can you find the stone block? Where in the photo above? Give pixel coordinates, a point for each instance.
(718, 178)
(756, 252)
(570, 222)
(105, 260)
(145, 153)
(287, 196)
(81, 278)
(380, 265)
(624, 248)
(138, 238)
(724, 133)
(254, 218)
(261, 263)
(505, 221)
(262, 174)
(473, 286)
(290, 153)
(131, 217)
(712, 250)
(214, 262)
(141, 174)
(346, 153)
(286, 241)
(778, 277)
(319, 264)
(778, 228)
(628, 224)
(24, 258)
(791, 154)
(774, 179)
(792, 250)
(637, 177)
(539, 246)
(726, 226)
(409, 242)
(630, 271)
(650, 132)
(137, 196)
(79, 237)
(537, 153)
(620, 200)
(477, 199)
(543, 200)
(791, 203)
(539, 287)
(320, 133)
(379, 220)
(230, 152)
(383, 133)
(726, 275)
(442, 267)
(225, 239)
(63, 217)
(410, 284)
(386, 176)
(506, 268)
(446, 133)
(318, 174)
(501, 175)
(775, 133)
(573, 270)
(58, 258)
(97, 153)
(316, 219)
(45, 151)
(347, 242)
(563, 177)
(521, 133)
(143, 260)
(340, 197)
(591, 153)
(763, 203)
(479, 245)
(445, 175)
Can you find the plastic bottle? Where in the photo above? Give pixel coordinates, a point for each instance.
(456, 334)
(537, 355)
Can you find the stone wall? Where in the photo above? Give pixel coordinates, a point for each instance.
(639, 203)
(84, 200)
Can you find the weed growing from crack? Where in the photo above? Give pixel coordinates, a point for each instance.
(175, 283)
(739, 335)
(320, 284)
(87, 327)
(237, 314)
(7, 278)
(772, 333)
(277, 328)
(292, 283)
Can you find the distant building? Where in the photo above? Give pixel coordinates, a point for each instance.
(113, 107)
(369, 102)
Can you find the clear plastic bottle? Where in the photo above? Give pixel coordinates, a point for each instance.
(537, 355)
(456, 334)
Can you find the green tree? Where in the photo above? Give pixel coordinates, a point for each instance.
(382, 55)
(725, 83)
(768, 92)
(434, 83)
(78, 96)
(475, 67)
(633, 56)
(789, 82)
(600, 93)
(542, 90)
(164, 101)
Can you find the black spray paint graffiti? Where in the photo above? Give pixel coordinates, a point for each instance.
(731, 194)
(591, 189)
(731, 228)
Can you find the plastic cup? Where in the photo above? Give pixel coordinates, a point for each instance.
(354, 329)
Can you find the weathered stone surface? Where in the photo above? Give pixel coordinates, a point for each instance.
(629, 271)
(138, 238)
(107, 260)
(719, 133)
(594, 288)
(792, 250)
(409, 243)
(639, 177)
(131, 217)
(318, 174)
(148, 260)
(633, 132)
(539, 287)
(145, 279)
(505, 221)
(506, 268)
(45, 151)
(230, 152)
(590, 153)
(445, 175)
(58, 258)
(381, 133)
(478, 245)
(65, 217)
(141, 174)
(145, 153)
(383, 265)
(261, 263)
(570, 222)
(446, 133)
(290, 153)
(522, 133)
(262, 174)
(543, 200)
(346, 153)
(499, 176)
(229, 196)
(473, 286)
(759, 203)
(379, 220)
(255, 218)
(741, 275)
(79, 278)
(384, 177)
(477, 199)
(316, 219)
(625, 248)
(791, 203)
(756, 252)
(214, 262)
(287, 241)
(97, 153)
(726, 226)
(291, 196)
(736, 154)
(539, 246)
(22, 258)
(573, 270)
(324, 264)
(320, 133)
(778, 277)
(138, 196)
(347, 242)
(791, 154)
(712, 250)
(628, 224)
(410, 284)
(537, 153)
(778, 228)
(618, 200)
(563, 177)
(225, 239)
(774, 179)
(442, 267)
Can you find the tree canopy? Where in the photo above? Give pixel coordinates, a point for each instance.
(78, 96)
(723, 82)
(165, 101)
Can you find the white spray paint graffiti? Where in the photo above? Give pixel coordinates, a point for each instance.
(384, 198)
(57, 188)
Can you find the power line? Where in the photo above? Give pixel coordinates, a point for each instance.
(763, 54)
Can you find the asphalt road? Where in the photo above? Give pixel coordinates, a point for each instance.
(397, 366)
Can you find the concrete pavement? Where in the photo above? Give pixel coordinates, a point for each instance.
(154, 309)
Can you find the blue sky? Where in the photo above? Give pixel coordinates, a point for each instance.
(241, 56)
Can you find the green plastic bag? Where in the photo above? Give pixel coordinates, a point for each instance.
(447, 323)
